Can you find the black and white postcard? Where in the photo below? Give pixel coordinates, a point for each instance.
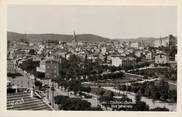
(92, 58)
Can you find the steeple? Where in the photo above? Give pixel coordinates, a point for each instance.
(74, 40)
(74, 37)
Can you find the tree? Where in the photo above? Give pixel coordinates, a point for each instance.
(140, 106)
(60, 98)
(38, 84)
(145, 77)
(164, 87)
(156, 95)
(172, 95)
(75, 85)
(86, 89)
(138, 97)
(67, 103)
(101, 93)
(32, 52)
(111, 95)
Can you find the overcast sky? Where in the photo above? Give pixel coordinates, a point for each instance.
(108, 21)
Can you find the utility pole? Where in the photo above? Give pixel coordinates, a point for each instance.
(28, 81)
(52, 89)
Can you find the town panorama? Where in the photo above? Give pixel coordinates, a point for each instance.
(86, 72)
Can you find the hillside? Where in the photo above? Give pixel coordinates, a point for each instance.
(59, 37)
(80, 37)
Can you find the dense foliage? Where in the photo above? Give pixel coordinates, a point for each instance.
(66, 103)
(156, 91)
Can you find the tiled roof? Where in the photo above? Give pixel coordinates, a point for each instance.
(23, 101)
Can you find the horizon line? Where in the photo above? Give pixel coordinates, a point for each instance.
(96, 35)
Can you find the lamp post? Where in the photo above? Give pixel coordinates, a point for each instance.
(52, 89)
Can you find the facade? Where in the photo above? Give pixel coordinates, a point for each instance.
(148, 55)
(52, 69)
(128, 61)
(172, 41)
(61, 53)
(116, 61)
(11, 54)
(74, 41)
(41, 67)
(138, 53)
(161, 58)
(134, 45)
(123, 61)
(103, 50)
(11, 68)
(168, 41)
(176, 57)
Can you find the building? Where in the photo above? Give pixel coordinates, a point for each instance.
(128, 61)
(42, 67)
(103, 50)
(172, 41)
(123, 61)
(74, 41)
(161, 42)
(148, 55)
(168, 41)
(116, 61)
(161, 58)
(11, 68)
(52, 69)
(134, 45)
(11, 54)
(176, 57)
(157, 43)
(25, 101)
(138, 53)
(60, 53)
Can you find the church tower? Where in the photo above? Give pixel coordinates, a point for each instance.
(74, 40)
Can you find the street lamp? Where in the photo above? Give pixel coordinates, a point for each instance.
(52, 89)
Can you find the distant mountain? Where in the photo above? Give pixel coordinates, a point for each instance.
(79, 37)
(59, 37)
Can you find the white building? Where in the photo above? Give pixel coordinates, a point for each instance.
(176, 57)
(138, 53)
(148, 55)
(161, 58)
(103, 50)
(120, 50)
(123, 61)
(41, 67)
(134, 45)
(116, 61)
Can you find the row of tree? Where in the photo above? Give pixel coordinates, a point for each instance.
(167, 73)
(74, 85)
(160, 91)
(66, 103)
